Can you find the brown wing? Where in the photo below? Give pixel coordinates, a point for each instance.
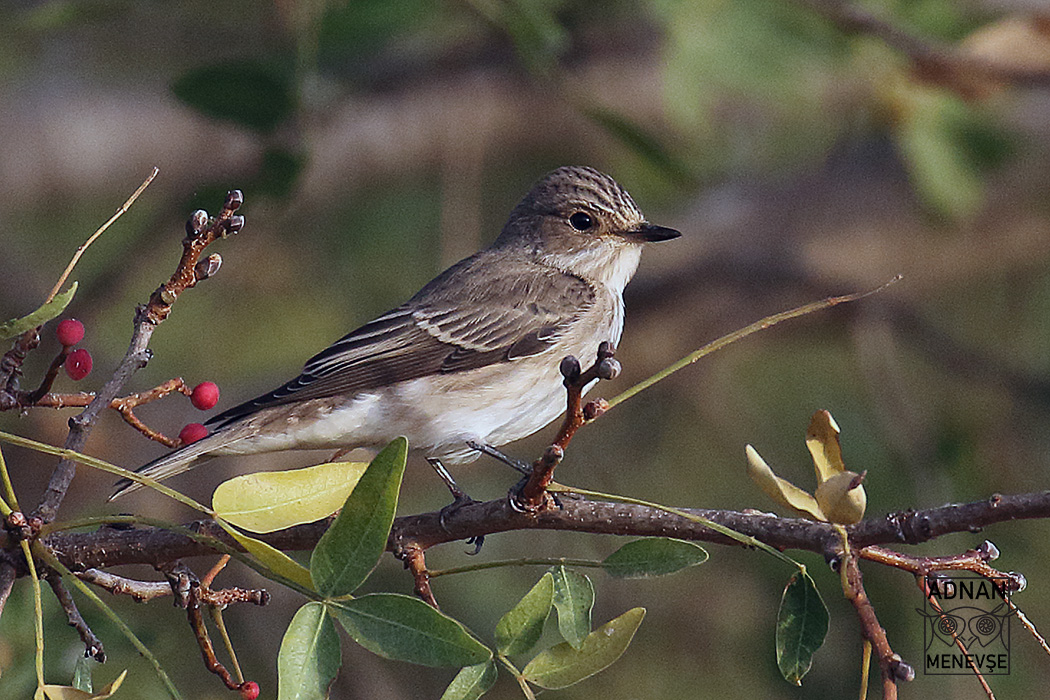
(457, 322)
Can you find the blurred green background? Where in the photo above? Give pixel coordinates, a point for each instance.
(377, 142)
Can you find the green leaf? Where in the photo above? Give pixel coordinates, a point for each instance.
(82, 673)
(350, 549)
(561, 665)
(253, 94)
(309, 656)
(472, 682)
(573, 599)
(407, 629)
(802, 624)
(272, 558)
(50, 310)
(270, 501)
(519, 630)
(653, 556)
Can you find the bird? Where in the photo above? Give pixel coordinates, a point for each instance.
(473, 357)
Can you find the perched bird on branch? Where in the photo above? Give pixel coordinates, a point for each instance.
(474, 355)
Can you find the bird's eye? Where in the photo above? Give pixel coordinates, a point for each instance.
(581, 221)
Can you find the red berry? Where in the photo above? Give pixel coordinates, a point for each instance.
(192, 433)
(78, 364)
(69, 331)
(205, 395)
(249, 690)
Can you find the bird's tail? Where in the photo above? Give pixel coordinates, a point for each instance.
(180, 460)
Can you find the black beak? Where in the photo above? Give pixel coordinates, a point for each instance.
(651, 233)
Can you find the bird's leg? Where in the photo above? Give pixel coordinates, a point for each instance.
(459, 496)
(459, 499)
(512, 462)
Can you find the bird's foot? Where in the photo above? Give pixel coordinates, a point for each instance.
(460, 499)
(518, 504)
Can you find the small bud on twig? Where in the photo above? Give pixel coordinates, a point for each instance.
(207, 267)
(595, 408)
(570, 369)
(609, 368)
(902, 670)
(234, 200)
(196, 223)
(988, 551)
(235, 224)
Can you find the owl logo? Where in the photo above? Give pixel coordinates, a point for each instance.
(974, 627)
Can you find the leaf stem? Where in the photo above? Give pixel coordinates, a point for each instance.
(747, 540)
(102, 465)
(554, 561)
(743, 333)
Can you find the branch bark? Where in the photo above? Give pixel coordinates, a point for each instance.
(111, 547)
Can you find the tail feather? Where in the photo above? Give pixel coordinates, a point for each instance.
(180, 460)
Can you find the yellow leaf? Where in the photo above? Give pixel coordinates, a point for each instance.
(271, 557)
(781, 490)
(842, 498)
(66, 692)
(270, 501)
(822, 439)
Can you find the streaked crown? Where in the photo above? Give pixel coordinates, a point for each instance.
(575, 189)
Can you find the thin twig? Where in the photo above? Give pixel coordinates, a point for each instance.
(125, 405)
(92, 645)
(139, 591)
(200, 234)
(755, 327)
(101, 229)
(893, 668)
(415, 562)
(533, 494)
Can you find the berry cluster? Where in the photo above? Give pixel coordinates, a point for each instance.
(203, 397)
(70, 331)
(78, 363)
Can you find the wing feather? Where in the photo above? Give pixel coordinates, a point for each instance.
(440, 330)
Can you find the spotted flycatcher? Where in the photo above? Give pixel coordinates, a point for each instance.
(474, 355)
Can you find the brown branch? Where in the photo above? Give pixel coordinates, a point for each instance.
(972, 560)
(111, 547)
(11, 366)
(139, 591)
(200, 234)
(415, 562)
(143, 591)
(893, 668)
(124, 405)
(92, 645)
(191, 593)
(31, 397)
(533, 495)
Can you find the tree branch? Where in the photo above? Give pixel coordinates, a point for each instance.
(111, 547)
(200, 233)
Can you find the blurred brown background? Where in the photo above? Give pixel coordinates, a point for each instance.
(378, 142)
